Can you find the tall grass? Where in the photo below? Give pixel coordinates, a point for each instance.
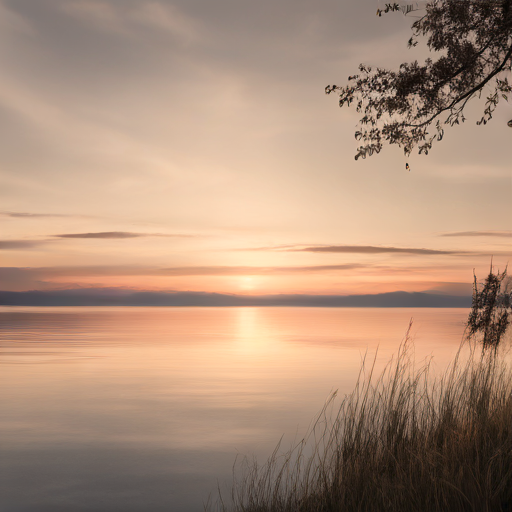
(404, 440)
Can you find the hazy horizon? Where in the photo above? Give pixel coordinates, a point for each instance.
(126, 297)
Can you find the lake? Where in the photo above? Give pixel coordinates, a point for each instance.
(145, 409)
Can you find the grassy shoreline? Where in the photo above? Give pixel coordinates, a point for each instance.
(403, 440)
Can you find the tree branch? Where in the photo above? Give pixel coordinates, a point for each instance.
(474, 90)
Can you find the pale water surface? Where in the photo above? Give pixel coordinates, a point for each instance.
(145, 409)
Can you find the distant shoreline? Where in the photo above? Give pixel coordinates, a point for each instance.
(118, 297)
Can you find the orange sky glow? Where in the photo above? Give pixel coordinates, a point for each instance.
(171, 145)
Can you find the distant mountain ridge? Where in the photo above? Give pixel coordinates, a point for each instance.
(119, 297)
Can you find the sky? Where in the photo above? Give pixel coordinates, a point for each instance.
(188, 145)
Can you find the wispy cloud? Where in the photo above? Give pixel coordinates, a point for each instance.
(106, 270)
(372, 249)
(19, 244)
(119, 235)
(37, 278)
(33, 215)
(125, 18)
(246, 271)
(503, 234)
(356, 249)
(103, 234)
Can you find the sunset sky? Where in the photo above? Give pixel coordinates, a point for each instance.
(189, 145)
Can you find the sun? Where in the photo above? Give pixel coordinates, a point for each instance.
(247, 283)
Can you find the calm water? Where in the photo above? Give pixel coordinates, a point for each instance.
(145, 409)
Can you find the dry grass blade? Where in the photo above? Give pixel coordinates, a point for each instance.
(405, 440)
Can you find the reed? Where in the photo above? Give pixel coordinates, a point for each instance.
(404, 440)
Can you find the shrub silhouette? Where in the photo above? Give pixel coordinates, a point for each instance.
(491, 309)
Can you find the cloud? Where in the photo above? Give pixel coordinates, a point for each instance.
(246, 271)
(372, 249)
(37, 278)
(103, 234)
(20, 279)
(504, 234)
(33, 215)
(19, 244)
(117, 235)
(356, 249)
(41, 273)
(123, 18)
